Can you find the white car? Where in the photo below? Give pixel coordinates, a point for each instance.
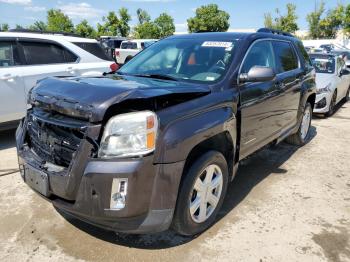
(27, 57)
(332, 82)
(128, 49)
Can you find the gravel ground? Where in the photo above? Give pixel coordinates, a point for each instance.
(286, 204)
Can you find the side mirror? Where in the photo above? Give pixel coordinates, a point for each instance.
(258, 74)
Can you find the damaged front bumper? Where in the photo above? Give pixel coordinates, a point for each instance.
(84, 188)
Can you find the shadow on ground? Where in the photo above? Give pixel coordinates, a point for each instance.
(251, 172)
(7, 139)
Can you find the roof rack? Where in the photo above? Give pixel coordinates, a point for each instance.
(275, 32)
(21, 30)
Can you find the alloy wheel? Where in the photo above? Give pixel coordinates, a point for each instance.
(305, 123)
(206, 193)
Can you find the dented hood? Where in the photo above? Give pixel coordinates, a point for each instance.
(90, 97)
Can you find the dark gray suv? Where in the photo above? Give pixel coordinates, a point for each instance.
(155, 145)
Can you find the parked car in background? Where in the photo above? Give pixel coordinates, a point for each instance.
(128, 49)
(110, 43)
(26, 58)
(156, 144)
(332, 81)
(345, 54)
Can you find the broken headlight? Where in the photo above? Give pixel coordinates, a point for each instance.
(130, 134)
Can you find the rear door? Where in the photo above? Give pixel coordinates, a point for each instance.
(46, 58)
(261, 104)
(12, 95)
(288, 81)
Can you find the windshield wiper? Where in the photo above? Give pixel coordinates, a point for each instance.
(157, 76)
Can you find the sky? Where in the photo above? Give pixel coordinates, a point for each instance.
(244, 14)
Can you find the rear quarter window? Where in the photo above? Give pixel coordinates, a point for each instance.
(305, 55)
(94, 49)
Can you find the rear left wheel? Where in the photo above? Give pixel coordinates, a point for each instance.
(201, 194)
(300, 138)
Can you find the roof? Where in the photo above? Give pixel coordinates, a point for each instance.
(217, 36)
(54, 37)
(140, 40)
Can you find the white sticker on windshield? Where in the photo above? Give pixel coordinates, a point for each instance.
(217, 44)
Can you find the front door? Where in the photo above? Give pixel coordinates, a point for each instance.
(260, 102)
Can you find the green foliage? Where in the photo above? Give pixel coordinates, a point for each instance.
(114, 25)
(209, 18)
(347, 19)
(125, 17)
(85, 30)
(143, 16)
(333, 22)
(59, 22)
(4, 27)
(38, 26)
(147, 30)
(162, 26)
(314, 19)
(165, 24)
(287, 22)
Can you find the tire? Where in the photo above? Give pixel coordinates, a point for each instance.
(332, 105)
(189, 223)
(127, 59)
(301, 137)
(347, 98)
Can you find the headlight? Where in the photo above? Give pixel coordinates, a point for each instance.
(130, 134)
(325, 89)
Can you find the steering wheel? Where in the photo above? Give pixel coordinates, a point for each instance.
(219, 67)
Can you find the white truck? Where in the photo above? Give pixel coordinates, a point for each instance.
(128, 49)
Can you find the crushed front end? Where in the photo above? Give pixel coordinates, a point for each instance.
(58, 158)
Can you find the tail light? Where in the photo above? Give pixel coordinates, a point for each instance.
(114, 67)
(117, 53)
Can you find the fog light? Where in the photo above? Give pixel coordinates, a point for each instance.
(118, 193)
(322, 103)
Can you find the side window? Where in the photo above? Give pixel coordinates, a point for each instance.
(286, 58)
(260, 54)
(9, 54)
(40, 53)
(306, 57)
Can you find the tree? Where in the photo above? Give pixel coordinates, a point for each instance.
(38, 26)
(57, 21)
(147, 30)
(4, 27)
(165, 24)
(110, 26)
(209, 18)
(333, 22)
(347, 19)
(287, 23)
(143, 16)
(85, 30)
(314, 19)
(123, 26)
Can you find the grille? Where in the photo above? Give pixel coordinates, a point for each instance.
(56, 144)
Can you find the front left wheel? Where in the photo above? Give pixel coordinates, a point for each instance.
(201, 194)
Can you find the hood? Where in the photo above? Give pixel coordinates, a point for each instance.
(322, 80)
(90, 97)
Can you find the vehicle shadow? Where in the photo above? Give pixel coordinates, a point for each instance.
(252, 171)
(7, 139)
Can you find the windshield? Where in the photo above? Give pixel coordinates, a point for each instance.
(324, 65)
(183, 59)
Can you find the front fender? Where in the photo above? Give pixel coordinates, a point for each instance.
(179, 137)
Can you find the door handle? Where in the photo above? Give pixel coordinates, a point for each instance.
(70, 70)
(280, 85)
(7, 77)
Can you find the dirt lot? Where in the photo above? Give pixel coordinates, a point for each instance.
(286, 204)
